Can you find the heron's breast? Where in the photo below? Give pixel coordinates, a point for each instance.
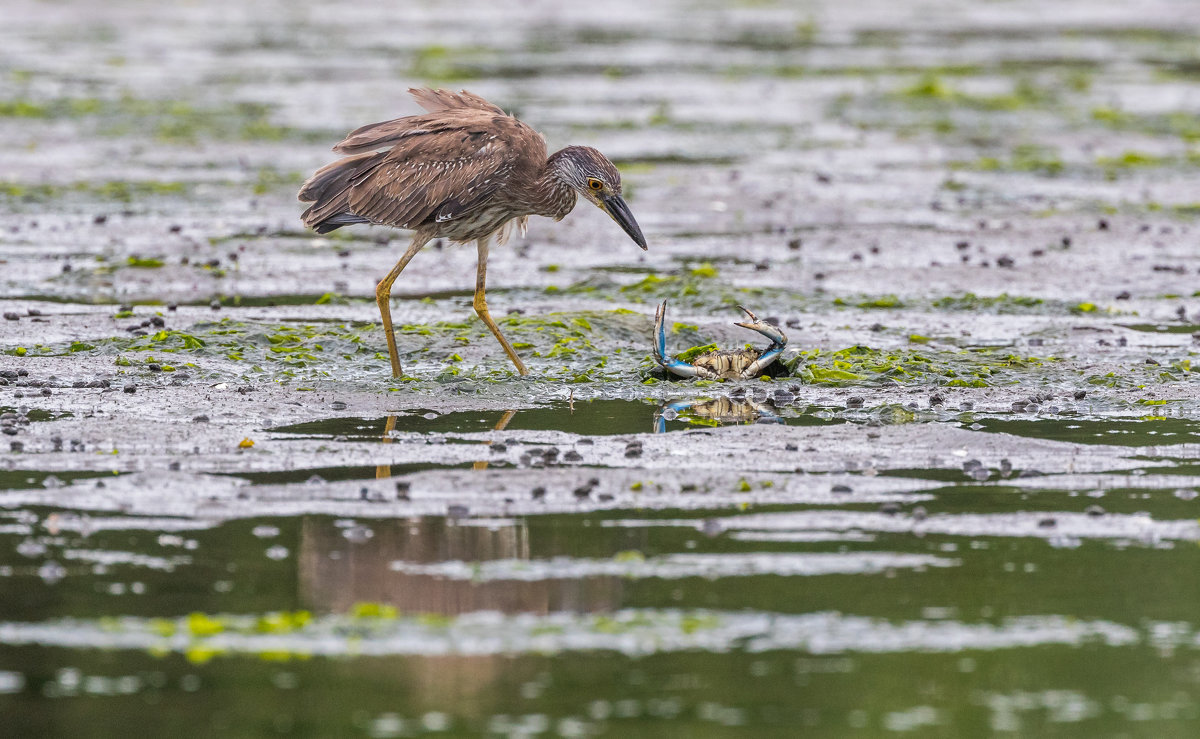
(476, 224)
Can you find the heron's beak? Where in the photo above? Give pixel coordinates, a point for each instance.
(615, 207)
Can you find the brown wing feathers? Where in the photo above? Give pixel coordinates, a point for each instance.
(439, 165)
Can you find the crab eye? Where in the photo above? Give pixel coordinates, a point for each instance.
(595, 184)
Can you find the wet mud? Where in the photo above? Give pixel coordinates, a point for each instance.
(966, 502)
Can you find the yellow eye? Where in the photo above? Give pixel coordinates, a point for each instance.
(595, 184)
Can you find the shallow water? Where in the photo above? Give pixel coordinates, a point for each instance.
(967, 505)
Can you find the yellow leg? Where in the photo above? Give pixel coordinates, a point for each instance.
(482, 464)
(383, 471)
(383, 296)
(482, 309)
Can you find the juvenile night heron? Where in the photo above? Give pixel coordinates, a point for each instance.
(464, 171)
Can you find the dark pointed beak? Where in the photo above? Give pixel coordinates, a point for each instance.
(615, 206)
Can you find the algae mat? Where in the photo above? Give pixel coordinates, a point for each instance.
(965, 504)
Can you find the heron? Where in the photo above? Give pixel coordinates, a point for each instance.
(463, 171)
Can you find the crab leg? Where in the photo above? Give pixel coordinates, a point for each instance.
(670, 364)
(778, 343)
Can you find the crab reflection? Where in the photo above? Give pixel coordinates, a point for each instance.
(722, 411)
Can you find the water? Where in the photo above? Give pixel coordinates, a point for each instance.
(968, 507)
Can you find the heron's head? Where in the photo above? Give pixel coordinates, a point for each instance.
(593, 176)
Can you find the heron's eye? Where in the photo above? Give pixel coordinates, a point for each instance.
(595, 184)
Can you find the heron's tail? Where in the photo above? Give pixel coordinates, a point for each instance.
(329, 192)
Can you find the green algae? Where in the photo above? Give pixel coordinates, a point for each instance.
(932, 91)
(1034, 158)
(168, 121)
(1002, 304)
(124, 191)
(912, 366)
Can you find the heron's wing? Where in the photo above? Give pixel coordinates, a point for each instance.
(439, 100)
(442, 174)
(388, 133)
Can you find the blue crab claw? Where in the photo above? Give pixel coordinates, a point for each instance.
(670, 364)
(770, 331)
(671, 409)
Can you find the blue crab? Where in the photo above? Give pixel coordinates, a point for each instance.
(733, 364)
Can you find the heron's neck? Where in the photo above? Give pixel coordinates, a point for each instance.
(554, 196)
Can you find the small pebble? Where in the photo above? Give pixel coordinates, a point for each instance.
(130, 388)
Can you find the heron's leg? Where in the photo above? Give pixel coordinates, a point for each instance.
(383, 471)
(383, 296)
(482, 464)
(482, 309)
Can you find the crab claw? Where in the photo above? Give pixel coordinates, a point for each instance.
(770, 331)
(659, 347)
(660, 416)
